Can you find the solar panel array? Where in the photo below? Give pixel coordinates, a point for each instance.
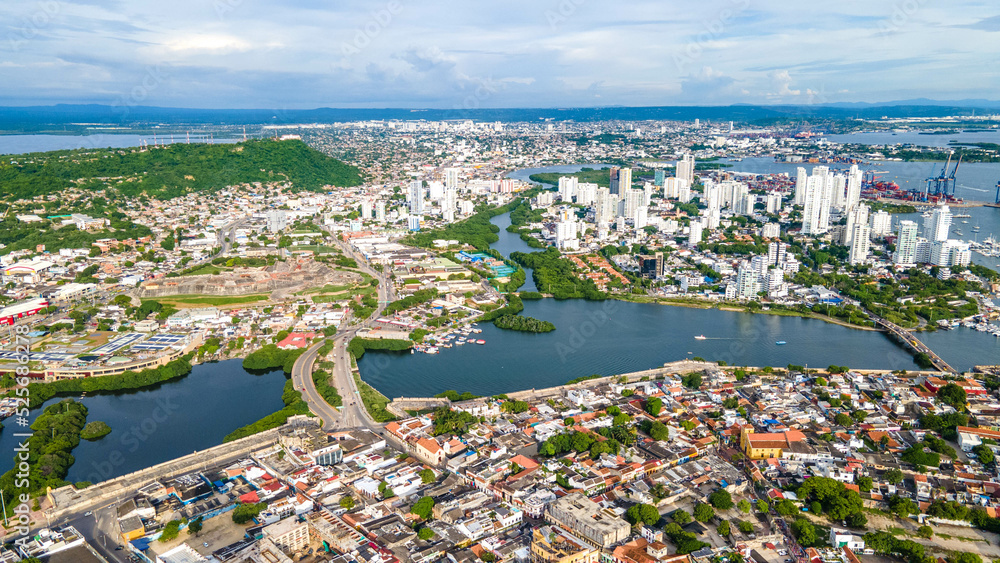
(159, 342)
(118, 343)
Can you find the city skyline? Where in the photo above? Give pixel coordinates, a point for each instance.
(241, 54)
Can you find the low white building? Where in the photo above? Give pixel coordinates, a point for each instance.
(844, 538)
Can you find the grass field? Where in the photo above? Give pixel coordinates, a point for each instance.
(206, 270)
(317, 248)
(329, 298)
(212, 300)
(326, 289)
(340, 295)
(374, 401)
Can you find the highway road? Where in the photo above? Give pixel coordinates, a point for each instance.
(352, 413)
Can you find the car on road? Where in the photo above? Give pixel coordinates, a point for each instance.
(88, 513)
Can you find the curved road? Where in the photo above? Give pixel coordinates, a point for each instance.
(352, 413)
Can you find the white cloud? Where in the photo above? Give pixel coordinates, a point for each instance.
(208, 43)
(266, 51)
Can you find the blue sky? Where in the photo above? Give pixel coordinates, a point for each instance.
(484, 53)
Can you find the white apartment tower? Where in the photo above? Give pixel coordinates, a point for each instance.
(567, 187)
(853, 196)
(860, 242)
(685, 168)
(451, 178)
(856, 216)
(936, 226)
(800, 186)
(816, 213)
(415, 197)
(906, 244)
(881, 223)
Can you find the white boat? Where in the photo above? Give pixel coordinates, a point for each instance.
(700, 337)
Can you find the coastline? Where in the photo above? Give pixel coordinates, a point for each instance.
(652, 374)
(696, 304)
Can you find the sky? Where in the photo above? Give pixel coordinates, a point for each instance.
(300, 54)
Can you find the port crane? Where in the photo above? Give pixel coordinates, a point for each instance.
(944, 183)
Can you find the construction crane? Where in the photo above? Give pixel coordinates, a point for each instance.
(944, 183)
(951, 178)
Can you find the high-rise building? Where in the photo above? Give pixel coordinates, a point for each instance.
(747, 282)
(770, 230)
(451, 178)
(605, 206)
(632, 199)
(277, 220)
(816, 213)
(620, 180)
(777, 252)
(738, 202)
(853, 195)
(366, 208)
(415, 197)
(651, 267)
(449, 204)
(435, 190)
(672, 187)
(380, 211)
(949, 253)
(586, 193)
(838, 191)
(938, 224)
(683, 191)
(567, 187)
(640, 217)
(685, 168)
(713, 196)
(906, 244)
(860, 242)
(800, 186)
(856, 216)
(413, 222)
(566, 235)
(659, 177)
(775, 280)
(881, 223)
(773, 202)
(696, 232)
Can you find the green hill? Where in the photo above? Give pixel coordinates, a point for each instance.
(173, 170)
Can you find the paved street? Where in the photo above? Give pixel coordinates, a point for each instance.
(352, 414)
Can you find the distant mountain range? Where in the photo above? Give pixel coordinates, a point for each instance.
(75, 117)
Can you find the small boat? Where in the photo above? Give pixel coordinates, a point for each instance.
(480, 342)
(700, 337)
(780, 343)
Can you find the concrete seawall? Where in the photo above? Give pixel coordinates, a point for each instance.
(683, 366)
(68, 499)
